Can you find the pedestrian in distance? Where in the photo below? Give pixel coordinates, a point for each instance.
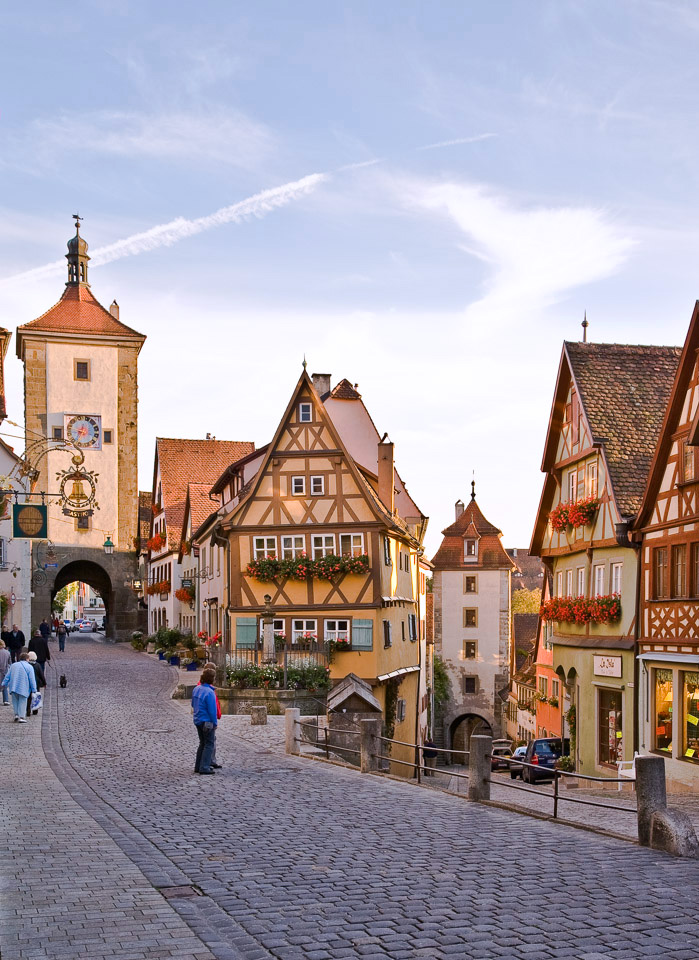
(45, 629)
(4, 667)
(39, 645)
(15, 642)
(21, 682)
(429, 756)
(61, 633)
(212, 666)
(40, 683)
(205, 721)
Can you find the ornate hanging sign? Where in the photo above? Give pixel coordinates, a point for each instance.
(77, 489)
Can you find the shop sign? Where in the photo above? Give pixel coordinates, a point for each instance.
(607, 666)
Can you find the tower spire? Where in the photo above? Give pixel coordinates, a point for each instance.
(77, 256)
(585, 325)
(473, 486)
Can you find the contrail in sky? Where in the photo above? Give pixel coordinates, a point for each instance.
(453, 143)
(166, 234)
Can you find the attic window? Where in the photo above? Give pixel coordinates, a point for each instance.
(305, 412)
(470, 549)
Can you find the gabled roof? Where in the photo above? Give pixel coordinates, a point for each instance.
(471, 523)
(345, 391)
(529, 570)
(182, 462)
(671, 418)
(78, 312)
(525, 627)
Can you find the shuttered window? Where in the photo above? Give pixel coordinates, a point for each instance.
(412, 626)
(245, 631)
(362, 634)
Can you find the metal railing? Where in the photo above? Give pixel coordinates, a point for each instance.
(326, 745)
(420, 767)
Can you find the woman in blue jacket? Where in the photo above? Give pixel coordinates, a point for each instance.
(21, 682)
(205, 720)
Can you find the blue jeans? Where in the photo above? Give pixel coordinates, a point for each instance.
(61, 642)
(5, 695)
(205, 751)
(19, 705)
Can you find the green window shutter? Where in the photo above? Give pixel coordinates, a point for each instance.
(245, 631)
(362, 634)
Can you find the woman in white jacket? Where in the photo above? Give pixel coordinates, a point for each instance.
(21, 683)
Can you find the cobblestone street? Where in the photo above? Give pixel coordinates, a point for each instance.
(291, 858)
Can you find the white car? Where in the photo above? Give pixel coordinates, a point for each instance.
(86, 626)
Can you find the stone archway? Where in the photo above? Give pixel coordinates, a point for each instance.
(91, 573)
(462, 728)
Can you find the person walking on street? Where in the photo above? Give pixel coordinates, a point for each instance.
(40, 682)
(39, 645)
(4, 667)
(212, 666)
(205, 720)
(15, 642)
(45, 629)
(21, 683)
(429, 756)
(61, 633)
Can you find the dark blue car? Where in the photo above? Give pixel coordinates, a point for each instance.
(543, 754)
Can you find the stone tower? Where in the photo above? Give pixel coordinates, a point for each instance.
(81, 384)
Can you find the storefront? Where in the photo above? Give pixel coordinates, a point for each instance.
(669, 715)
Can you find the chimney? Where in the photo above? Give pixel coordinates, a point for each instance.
(114, 309)
(321, 381)
(386, 488)
(458, 508)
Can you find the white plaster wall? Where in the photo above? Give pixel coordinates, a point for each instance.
(96, 397)
(16, 577)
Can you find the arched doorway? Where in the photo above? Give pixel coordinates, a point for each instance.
(95, 576)
(462, 728)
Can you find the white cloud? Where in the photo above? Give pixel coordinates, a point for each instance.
(222, 135)
(535, 255)
(459, 140)
(166, 234)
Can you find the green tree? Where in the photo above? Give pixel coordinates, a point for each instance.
(526, 601)
(442, 684)
(60, 600)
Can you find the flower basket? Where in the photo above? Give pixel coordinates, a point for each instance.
(268, 569)
(160, 587)
(605, 609)
(174, 660)
(156, 543)
(185, 594)
(192, 665)
(574, 513)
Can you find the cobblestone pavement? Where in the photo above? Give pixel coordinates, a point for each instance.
(299, 860)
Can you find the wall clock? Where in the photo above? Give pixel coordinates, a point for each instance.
(84, 431)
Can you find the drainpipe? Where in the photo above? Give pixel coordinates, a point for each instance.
(419, 659)
(623, 538)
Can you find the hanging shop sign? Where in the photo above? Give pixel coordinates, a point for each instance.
(607, 666)
(30, 521)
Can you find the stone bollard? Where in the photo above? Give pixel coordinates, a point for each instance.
(292, 715)
(479, 767)
(370, 743)
(258, 716)
(650, 793)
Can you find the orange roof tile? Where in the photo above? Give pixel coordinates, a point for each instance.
(198, 462)
(78, 311)
(472, 523)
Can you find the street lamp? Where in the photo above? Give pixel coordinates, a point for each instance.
(108, 546)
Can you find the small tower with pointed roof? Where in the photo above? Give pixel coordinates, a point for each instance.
(471, 588)
(81, 384)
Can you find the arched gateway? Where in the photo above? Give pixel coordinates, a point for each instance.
(81, 386)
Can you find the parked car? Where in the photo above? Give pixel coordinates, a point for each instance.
(500, 754)
(86, 626)
(544, 753)
(69, 625)
(516, 768)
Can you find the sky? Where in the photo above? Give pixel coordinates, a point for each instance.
(423, 198)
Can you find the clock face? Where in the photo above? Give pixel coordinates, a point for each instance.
(84, 431)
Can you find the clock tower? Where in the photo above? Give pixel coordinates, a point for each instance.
(81, 387)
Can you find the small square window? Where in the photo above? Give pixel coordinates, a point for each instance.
(470, 617)
(82, 523)
(470, 649)
(298, 486)
(108, 436)
(81, 369)
(317, 486)
(470, 549)
(470, 584)
(470, 685)
(305, 412)
(56, 433)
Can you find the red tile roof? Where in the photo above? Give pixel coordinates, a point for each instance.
(201, 506)
(197, 462)
(529, 570)
(78, 311)
(491, 553)
(345, 391)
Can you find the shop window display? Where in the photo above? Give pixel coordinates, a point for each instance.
(690, 725)
(610, 733)
(663, 710)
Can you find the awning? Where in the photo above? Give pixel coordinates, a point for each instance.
(688, 658)
(397, 673)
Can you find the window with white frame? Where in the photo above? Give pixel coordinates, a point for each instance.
(337, 629)
(293, 547)
(470, 549)
(305, 412)
(277, 626)
(555, 688)
(298, 486)
(616, 578)
(569, 583)
(599, 580)
(264, 547)
(559, 584)
(351, 544)
(581, 582)
(544, 686)
(573, 484)
(317, 486)
(323, 545)
(302, 630)
(591, 479)
(412, 627)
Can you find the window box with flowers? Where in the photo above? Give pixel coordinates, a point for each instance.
(156, 543)
(574, 513)
(605, 609)
(185, 594)
(267, 569)
(186, 547)
(160, 586)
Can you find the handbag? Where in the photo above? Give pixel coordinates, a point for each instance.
(36, 701)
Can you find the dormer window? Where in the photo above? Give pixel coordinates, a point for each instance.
(470, 549)
(305, 412)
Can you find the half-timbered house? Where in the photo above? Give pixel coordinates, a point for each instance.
(667, 528)
(320, 522)
(608, 406)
